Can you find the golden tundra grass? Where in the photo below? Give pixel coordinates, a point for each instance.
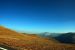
(30, 42)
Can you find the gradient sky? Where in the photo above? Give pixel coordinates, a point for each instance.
(38, 15)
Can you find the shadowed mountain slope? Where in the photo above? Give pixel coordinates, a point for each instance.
(66, 38)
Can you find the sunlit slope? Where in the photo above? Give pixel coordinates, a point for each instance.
(13, 38)
(20, 41)
(8, 33)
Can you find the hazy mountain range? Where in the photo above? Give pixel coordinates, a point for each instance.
(61, 37)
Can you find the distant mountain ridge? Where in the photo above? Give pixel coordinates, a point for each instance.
(66, 38)
(61, 37)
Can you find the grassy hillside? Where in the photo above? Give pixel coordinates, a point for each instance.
(18, 41)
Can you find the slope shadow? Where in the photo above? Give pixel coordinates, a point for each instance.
(66, 38)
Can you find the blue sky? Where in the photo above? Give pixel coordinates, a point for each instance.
(38, 15)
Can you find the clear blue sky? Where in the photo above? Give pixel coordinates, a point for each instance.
(38, 15)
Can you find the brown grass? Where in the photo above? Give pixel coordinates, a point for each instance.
(26, 42)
